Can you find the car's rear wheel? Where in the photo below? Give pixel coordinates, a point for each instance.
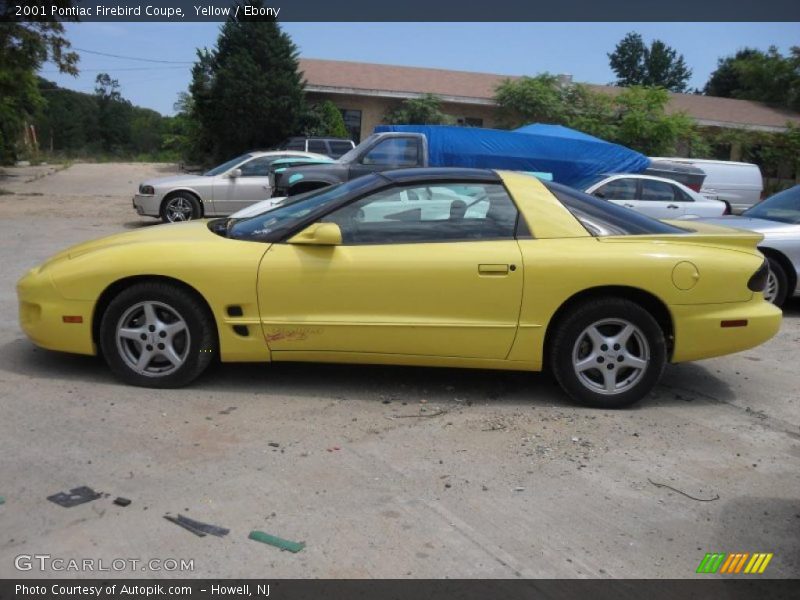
(180, 207)
(608, 353)
(777, 283)
(157, 335)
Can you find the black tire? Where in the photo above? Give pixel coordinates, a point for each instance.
(192, 336)
(179, 207)
(572, 347)
(781, 282)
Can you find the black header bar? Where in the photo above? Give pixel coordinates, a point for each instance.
(409, 10)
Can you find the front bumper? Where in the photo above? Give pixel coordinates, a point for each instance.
(699, 330)
(41, 315)
(146, 205)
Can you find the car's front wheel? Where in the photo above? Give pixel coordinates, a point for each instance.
(157, 335)
(608, 353)
(180, 207)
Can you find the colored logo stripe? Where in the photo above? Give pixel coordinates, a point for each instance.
(711, 562)
(734, 563)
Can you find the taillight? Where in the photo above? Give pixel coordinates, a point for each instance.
(695, 187)
(758, 281)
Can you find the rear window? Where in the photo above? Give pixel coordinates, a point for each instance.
(317, 146)
(602, 218)
(340, 148)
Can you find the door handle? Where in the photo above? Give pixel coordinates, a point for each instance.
(672, 206)
(494, 269)
(628, 205)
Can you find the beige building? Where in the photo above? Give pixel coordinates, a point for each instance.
(365, 92)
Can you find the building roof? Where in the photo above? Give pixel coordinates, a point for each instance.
(334, 76)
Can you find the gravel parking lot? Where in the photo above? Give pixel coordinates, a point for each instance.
(383, 472)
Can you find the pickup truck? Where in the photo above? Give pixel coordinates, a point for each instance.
(379, 152)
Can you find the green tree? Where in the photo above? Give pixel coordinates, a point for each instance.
(425, 110)
(247, 92)
(24, 47)
(324, 119)
(643, 124)
(530, 100)
(590, 112)
(114, 115)
(658, 65)
(68, 121)
(753, 74)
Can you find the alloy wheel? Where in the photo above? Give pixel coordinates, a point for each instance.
(772, 288)
(610, 356)
(153, 339)
(178, 209)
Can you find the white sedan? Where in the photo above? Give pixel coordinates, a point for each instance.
(655, 197)
(221, 191)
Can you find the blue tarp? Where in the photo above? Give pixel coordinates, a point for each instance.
(557, 131)
(569, 157)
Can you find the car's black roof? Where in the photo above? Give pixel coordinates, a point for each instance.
(439, 173)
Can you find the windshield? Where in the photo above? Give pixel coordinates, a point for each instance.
(227, 165)
(602, 218)
(350, 156)
(783, 207)
(274, 223)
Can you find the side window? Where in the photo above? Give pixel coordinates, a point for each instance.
(447, 212)
(618, 189)
(339, 148)
(296, 145)
(681, 196)
(318, 146)
(258, 167)
(657, 191)
(394, 152)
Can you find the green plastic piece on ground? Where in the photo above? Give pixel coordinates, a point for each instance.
(272, 540)
(2, 500)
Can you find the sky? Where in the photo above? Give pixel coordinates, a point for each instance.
(578, 49)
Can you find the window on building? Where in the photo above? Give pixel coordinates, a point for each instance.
(469, 122)
(352, 122)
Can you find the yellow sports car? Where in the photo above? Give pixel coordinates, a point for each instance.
(432, 267)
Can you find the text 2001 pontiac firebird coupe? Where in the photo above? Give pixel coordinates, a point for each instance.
(436, 267)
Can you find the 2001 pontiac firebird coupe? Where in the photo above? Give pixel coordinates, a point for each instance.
(437, 267)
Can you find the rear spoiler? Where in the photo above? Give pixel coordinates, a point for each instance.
(705, 233)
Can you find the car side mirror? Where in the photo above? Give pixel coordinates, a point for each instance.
(598, 195)
(319, 234)
(235, 173)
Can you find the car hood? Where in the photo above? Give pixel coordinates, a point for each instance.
(190, 232)
(750, 224)
(175, 180)
(258, 208)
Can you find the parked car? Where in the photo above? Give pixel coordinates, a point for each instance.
(540, 275)
(281, 164)
(379, 152)
(405, 146)
(655, 197)
(778, 218)
(218, 192)
(689, 175)
(333, 147)
(259, 207)
(738, 183)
